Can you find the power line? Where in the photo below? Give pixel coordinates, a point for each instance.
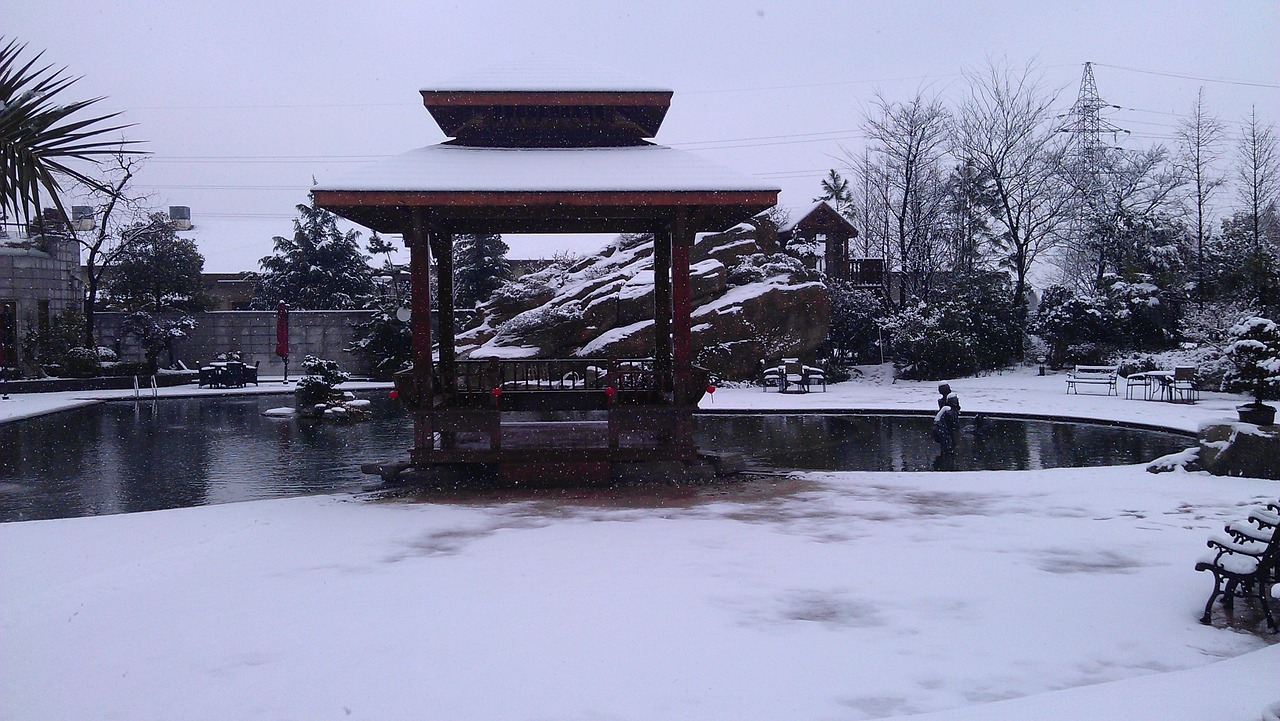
(1201, 78)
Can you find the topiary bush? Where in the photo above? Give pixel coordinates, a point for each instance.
(319, 384)
(80, 362)
(1254, 351)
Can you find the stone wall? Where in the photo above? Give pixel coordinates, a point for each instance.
(38, 280)
(321, 333)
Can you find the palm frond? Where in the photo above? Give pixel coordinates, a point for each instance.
(38, 134)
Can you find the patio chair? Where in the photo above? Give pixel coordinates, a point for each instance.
(1184, 384)
(793, 376)
(1137, 380)
(814, 376)
(770, 377)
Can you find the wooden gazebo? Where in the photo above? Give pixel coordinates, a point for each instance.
(552, 156)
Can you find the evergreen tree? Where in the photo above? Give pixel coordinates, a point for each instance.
(479, 267)
(319, 268)
(835, 191)
(157, 271)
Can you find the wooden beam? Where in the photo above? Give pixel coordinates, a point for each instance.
(489, 98)
(622, 199)
(662, 307)
(420, 324)
(681, 306)
(443, 251)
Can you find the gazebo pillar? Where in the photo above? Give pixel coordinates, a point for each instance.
(681, 307)
(442, 248)
(415, 236)
(662, 367)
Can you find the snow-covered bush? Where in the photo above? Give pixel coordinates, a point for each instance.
(80, 362)
(1077, 328)
(855, 315)
(1147, 314)
(49, 345)
(927, 345)
(972, 329)
(1254, 350)
(385, 341)
(316, 391)
(156, 335)
(1209, 324)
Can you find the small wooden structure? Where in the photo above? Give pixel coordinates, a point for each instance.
(823, 223)
(549, 156)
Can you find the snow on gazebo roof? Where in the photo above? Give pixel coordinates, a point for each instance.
(546, 76)
(454, 168)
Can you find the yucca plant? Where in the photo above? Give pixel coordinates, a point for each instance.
(38, 135)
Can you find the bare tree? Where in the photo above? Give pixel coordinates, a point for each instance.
(1005, 128)
(1257, 172)
(1137, 186)
(121, 218)
(908, 142)
(1199, 148)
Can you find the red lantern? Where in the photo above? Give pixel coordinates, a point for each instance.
(394, 395)
(496, 392)
(711, 389)
(609, 391)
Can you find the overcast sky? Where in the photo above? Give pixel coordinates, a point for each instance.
(243, 103)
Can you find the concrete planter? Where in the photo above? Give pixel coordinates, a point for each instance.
(1259, 414)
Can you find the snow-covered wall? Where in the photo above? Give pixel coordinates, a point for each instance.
(321, 333)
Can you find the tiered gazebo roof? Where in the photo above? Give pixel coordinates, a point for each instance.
(549, 151)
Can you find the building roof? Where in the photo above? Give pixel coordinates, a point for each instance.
(818, 218)
(547, 105)
(452, 168)
(543, 75)
(538, 190)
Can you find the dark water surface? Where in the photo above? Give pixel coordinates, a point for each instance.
(127, 457)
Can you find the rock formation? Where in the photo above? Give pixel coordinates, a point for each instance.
(750, 302)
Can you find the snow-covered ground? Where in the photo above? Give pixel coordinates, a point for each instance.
(1048, 595)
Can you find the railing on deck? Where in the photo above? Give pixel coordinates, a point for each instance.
(554, 374)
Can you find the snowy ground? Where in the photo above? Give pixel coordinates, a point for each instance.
(1062, 594)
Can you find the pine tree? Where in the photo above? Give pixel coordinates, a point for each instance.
(319, 268)
(835, 190)
(479, 267)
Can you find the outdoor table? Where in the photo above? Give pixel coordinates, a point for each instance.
(1164, 382)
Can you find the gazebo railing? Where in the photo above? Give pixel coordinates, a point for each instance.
(595, 382)
(553, 374)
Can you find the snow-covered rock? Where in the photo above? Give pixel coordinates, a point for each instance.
(749, 302)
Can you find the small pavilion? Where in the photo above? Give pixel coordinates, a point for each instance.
(823, 224)
(549, 154)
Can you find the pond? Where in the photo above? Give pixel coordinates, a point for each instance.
(128, 457)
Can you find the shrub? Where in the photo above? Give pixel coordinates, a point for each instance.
(50, 346)
(1075, 326)
(317, 386)
(1254, 351)
(385, 341)
(855, 315)
(80, 362)
(926, 346)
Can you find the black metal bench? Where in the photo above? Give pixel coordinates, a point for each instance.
(1245, 562)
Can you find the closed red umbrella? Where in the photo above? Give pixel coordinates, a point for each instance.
(282, 336)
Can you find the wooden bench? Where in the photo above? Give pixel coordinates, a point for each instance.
(1093, 376)
(1244, 562)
